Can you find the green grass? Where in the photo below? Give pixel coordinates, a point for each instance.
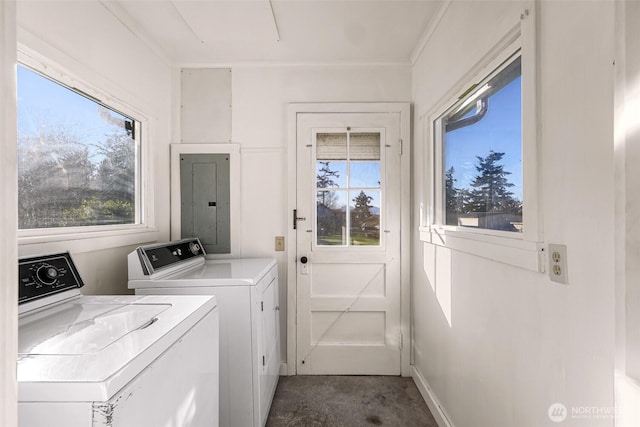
(356, 240)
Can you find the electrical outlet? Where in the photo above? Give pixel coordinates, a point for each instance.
(558, 271)
(279, 243)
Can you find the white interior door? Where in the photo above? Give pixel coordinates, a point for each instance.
(348, 243)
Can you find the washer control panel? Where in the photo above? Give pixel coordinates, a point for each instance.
(46, 275)
(160, 256)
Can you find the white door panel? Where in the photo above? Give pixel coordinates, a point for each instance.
(348, 199)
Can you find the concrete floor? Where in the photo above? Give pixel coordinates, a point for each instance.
(314, 401)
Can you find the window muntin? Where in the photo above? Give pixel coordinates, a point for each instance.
(481, 140)
(78, 159)
(348, 189)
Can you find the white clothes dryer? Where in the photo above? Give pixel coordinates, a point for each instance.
(144, 361)
(247, 293)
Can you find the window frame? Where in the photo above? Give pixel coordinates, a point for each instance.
(105, 236)
(501, 62)
(519, 249)
(381, 246)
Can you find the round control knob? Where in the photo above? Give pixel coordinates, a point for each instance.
(194, 248)
(304, 259)
(47, 274)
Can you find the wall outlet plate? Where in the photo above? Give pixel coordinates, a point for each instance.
(558, 271)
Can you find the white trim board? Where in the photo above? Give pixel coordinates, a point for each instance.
(8, 219)
(430, 399)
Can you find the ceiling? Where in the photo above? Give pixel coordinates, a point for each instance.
(279, 31)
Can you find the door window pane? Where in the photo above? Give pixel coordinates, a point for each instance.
(331, 174)
(365, 174)
(365, 217)
(364, 146)
(331, 212)
(331, 146)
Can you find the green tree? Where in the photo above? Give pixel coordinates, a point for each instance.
(362, 209)
(54, 172)
(451, 197)
(490, 192)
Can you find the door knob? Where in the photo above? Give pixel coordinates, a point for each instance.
(304, 259)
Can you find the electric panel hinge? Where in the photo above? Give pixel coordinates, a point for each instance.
(401, 342)
(401, 147)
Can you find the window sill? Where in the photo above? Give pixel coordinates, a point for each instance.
(85, 239)
(512, 251)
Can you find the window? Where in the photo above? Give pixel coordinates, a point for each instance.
(78, 158)
(348, 190)
(482, 191)
(481, 140)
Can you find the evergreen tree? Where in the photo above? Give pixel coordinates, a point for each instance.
(451, 197)
(362, 209)
(490, 191)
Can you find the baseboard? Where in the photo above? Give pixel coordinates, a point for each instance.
(430, 398)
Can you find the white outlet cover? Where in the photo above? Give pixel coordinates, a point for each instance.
(558, 270)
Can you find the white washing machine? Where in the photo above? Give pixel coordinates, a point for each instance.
(247, 293)
(143, 361)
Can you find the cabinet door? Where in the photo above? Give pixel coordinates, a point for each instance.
(205, 207)
(269, 337)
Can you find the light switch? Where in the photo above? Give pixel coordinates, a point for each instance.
(279, 243)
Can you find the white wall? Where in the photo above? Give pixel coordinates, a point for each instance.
(8, 218)
(496, 344)
(88, 41)
(627, 151)
(260, 95)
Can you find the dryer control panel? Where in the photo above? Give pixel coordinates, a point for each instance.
(46, 275)
(160, 256)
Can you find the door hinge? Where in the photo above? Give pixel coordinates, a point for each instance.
(261, 305)
(401, 342)
(263, 361)
(401, 146)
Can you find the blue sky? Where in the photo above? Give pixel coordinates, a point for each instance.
(42, 101)
(499, 130)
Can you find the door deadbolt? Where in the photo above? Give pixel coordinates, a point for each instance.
(304, 259)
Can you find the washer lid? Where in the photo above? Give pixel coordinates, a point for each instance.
(88, 348)
(78, 328)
